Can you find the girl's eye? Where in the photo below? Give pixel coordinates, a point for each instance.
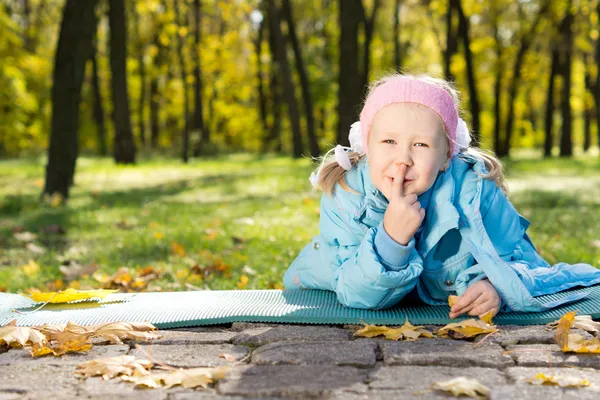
(421, 144)
(389, 141)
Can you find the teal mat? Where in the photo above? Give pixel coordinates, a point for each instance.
(184, 309)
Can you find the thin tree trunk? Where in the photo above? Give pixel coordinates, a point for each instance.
(27, 23)
(451, 42)
(597, 83)
(124, 146)
(274, 135)
(397, 41)
(349, 88)
(262, 99)
(549, 116)
(515, 82)
(313, 143)
(142, 100)
(566, 139)
(98, 108)
(182, 69)
(198, 123)
(587, 111)
(72, 51)
(368, 23)
(498, 76)
(288, 84)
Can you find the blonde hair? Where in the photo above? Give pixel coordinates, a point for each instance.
(332, 173)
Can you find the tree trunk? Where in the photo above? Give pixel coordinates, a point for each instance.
(288, 84)
(597, 83)
(27, 23)
(313, 143)
(451, 42)
(497, 81)
(549, 117)
(142, 100)
(182, 69)
(463, 32)
(397, 41)
(515, 82)
(198, 122)
(369, 30)
(349, 87)
(98, 108)
(124, 146)
(587, 111)
(566, 140)
(262, 98)
(274, 135)
(72, 51)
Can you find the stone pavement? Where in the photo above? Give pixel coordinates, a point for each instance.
(309, 361)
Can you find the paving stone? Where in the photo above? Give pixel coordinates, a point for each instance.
(355, 353)
(508, 335)
(268, 334)
(193, 355)
(542, 355)
(445, 352)
(242, 326)
(98, 388)
(23, 356)
(38, 381)
(173, 337)
(291, 380)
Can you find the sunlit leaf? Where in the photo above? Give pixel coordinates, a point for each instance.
(466, 329)
(69, 295)
(114, 366)
(188, 378)
(59, 348)
(584, 322)
(19, 336)
(462, 386)
(563, 328)
(562, 381)
(405, 332)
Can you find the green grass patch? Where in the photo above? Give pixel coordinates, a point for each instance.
(230, 222)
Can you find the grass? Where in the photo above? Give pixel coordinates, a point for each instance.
(232, 222)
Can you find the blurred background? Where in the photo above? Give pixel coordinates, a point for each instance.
(181, 131)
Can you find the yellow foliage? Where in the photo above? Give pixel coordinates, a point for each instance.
(69, 295)
(243, 282)
(405, 332)
(562, 381)
(466, 329)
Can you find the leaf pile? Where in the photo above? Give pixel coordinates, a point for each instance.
(573, 342)
(405, 332)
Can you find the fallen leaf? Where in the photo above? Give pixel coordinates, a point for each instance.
(563, 328)
(114, 332)
(243, 282)
(584, 322)
(73, 270)
(34, 248)
(114, 366)
(31, 268)
(178, 249)
(487, 317)
(188, 378)
(228, 357)
(60, 348)
(20, 336)
(124, 279)
(466, 329)
(405, 332)
(69, 295)
(562, 381)
(578, 344)
(462, 385)
(25, 236)
(452, 300)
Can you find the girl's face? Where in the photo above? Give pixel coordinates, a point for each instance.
(411, 134)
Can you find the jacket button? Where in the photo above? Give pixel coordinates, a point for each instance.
(316, 246)
(449, 283)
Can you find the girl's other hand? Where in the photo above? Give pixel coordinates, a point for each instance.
(477, 300)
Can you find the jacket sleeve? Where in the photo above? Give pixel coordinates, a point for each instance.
(369, 269)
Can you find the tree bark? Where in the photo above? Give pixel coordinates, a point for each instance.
(288, 84)
(313, 144)
(142, 100)
(182, 72)
(587, 111)
(124, 146)
(349, 87)
(566, 139)
(451, 42)
(98, 108)
(72, 51)
(549, 116)
(397, 41)
(368, 23)
(262, 98)
(463, 32)
(198, 121)
(526, 41)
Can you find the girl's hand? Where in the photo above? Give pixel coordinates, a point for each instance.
(477, 300)
(404, 213)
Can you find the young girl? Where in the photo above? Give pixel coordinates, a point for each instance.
(414, 211)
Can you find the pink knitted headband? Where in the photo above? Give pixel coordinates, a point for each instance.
(409, 90)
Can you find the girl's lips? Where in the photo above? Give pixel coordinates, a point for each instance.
(406, 181)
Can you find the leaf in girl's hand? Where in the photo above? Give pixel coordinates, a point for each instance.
(452, 300)
(20, 336)
(466, 329)
(487, 317)
(561, 337)
(69, 295)
(405, 332)
(114, 366)
(555, 380)
(462, 386)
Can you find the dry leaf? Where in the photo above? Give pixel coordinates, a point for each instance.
(405, 332)
(487, 317)
(178, 249)
(578, 344)
(466, 329)
(462, 385)
(69, 295)
(114, 366)
(452, 300)
(114, 332)
(60, 348)
(20, 336)
(124, 279)
(563, 328)
(562, 381)
(584, 322)
(188, 378)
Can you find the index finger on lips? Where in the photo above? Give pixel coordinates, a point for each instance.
(398, 185)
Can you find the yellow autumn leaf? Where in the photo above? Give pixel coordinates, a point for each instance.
(563, 328)
(60, 348)
(405, 332)
(243, 282)
(68, 295)
(466, 329)
(114, 332)
(114, 366)
(487, 317)
(584, 322)
(462, 386)
(578, 344)
(31, 268)
(452, 300)
(20, 336)
(158, 235)
(178, 249)
(188, 378)
(562, 381)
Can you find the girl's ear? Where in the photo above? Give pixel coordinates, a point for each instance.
(447, 162)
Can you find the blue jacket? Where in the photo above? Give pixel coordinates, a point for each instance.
(471, 231)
